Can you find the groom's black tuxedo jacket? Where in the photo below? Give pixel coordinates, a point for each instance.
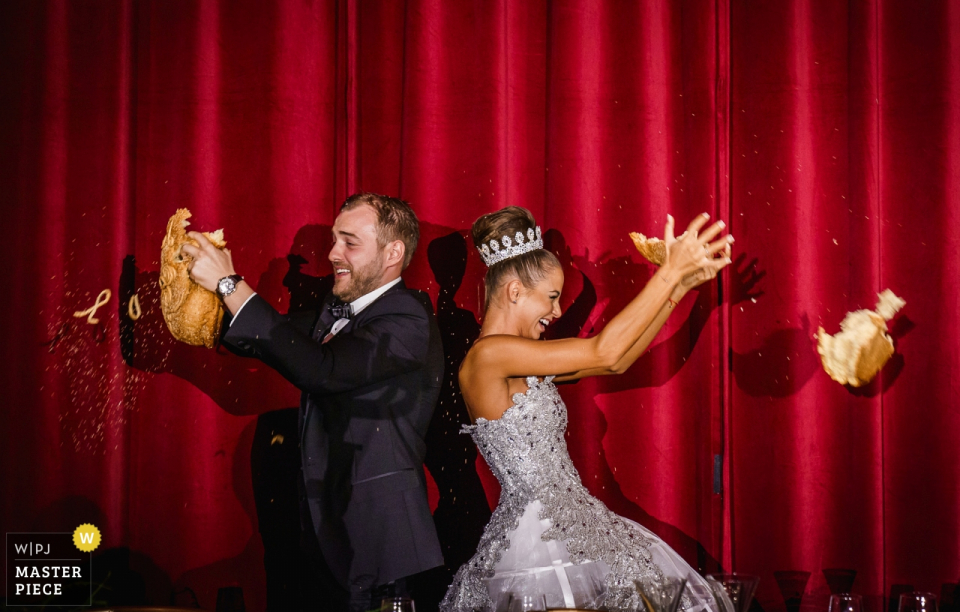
(368, 396)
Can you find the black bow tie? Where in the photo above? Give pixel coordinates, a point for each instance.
(340, 310)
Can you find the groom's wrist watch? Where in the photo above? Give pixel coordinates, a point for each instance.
(227, 285)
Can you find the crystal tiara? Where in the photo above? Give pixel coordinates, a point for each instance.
(493, 252)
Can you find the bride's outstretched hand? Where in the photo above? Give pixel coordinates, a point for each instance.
(695, 257)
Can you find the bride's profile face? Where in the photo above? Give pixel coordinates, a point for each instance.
(538, 307)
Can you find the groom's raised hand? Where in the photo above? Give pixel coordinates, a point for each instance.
(210, 264)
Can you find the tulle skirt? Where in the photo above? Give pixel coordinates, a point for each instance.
(536, 568)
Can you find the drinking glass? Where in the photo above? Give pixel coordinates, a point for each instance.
(526, 603)
(661, 595)
(845, 602)
(397, 604)
(918, 601)
(738, 587)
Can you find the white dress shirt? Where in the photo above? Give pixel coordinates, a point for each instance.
(360, 303)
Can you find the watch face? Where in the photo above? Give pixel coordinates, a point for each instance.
(225, 286)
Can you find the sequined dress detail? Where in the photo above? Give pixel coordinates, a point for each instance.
(548, 534)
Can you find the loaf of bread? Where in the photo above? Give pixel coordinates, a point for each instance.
(859, 351)
(193, 314)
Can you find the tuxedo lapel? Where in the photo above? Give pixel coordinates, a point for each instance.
(324, 322)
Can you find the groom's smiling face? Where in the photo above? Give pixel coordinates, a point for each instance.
(356, 255)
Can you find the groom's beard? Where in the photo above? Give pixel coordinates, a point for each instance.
(362, 280)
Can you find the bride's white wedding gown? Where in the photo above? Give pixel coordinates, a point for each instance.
(548, 535)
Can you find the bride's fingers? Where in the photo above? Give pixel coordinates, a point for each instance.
(719, 264)
(668, 230)
(698, 222)
(720, 245)
(711, 232)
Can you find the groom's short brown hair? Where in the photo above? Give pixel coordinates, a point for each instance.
(395, 221)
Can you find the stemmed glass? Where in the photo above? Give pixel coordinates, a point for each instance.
(661, 595)
(526, 603)
(845, 602)
(918, 601)
(738, 588)
(397, 604)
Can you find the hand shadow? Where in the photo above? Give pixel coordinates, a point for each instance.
(744, 280)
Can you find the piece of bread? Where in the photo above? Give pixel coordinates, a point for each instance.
(193, 314)
(859, 351)
(654, 249)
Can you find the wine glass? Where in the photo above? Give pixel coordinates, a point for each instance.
(526, 603)
(661, 595)
(845, 602)
(739, 588)
(397, 604)
(918, 601)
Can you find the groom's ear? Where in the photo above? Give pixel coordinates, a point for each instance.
(395, 252)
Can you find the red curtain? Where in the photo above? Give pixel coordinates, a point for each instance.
(826, 133)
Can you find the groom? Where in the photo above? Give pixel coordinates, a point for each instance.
(369, 368)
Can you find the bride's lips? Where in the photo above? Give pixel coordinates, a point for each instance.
(542, 324)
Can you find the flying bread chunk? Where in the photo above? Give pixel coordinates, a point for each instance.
(859, 351)
(193, 314)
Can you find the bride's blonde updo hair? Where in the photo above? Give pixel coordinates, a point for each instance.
(530, 267)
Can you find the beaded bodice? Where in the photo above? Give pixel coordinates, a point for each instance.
(527, 443)
(526, 450)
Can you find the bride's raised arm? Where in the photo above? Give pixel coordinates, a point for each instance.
(623, 339)
(689, 281)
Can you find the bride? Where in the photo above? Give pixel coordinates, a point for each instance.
(548, 536)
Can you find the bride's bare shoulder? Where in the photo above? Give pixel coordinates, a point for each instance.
(486, 345)
(485, 393)
(485, 351)
(481, 359)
